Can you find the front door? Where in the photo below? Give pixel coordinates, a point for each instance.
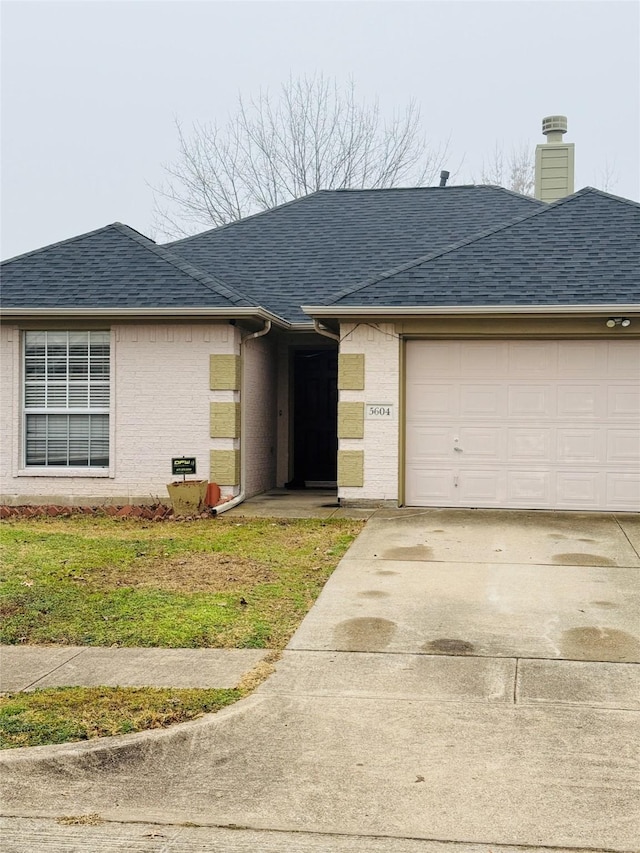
(315, 411)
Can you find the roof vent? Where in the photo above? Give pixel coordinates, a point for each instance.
(444, 177)
(554, 127)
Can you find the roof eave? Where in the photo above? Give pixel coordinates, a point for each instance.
(230, 313)
(349, 312)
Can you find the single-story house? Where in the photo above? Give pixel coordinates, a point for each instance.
(459, 346)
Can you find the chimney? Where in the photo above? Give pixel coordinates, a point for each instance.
(554, 161)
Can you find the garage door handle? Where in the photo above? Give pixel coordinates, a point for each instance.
(458, 449)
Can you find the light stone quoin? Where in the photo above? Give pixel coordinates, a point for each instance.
(225, 420)
(351, 468)
(224, 372)
(350, 420)
(351, 372)
(225, 467)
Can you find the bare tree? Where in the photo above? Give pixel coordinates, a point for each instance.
(607, 177)
(316, 135)
(515, 170)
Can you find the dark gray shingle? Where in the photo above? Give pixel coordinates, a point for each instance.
(306, 251)
(114, 267)
(584, 249)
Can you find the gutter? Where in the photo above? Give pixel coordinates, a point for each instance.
(348, 312)
(230, 312)
(239, 498)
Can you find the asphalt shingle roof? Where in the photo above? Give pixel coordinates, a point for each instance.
(306, 251)
(434, 246)
(583, 249)
(114, 267)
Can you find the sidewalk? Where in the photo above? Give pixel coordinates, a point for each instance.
(36, 667)
(467, 681)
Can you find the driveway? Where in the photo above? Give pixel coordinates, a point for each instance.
(494, 584)
(466, 681)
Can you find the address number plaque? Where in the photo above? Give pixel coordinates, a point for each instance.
(379, 411)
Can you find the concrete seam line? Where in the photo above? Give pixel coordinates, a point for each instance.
(55, 669)
(624, 533)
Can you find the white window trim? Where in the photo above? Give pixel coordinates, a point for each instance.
(63, 472)
(20, 468)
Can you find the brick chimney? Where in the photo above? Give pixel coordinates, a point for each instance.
(554, 161)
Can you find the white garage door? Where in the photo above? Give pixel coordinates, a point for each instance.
(528, 424)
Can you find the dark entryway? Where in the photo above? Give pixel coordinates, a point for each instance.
(315, 408)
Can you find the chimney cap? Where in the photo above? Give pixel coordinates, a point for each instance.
(554, 124)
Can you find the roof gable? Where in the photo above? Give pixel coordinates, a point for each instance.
(583, 249)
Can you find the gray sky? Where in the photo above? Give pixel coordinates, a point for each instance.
(90, 89)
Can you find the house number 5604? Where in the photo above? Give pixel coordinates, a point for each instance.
(379, 410)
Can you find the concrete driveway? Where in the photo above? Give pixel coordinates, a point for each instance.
(467, 681)
(494, 584)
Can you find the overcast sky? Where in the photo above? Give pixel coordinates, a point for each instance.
(90, 89)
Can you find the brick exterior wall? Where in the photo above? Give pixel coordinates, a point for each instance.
(160, 408)
(260, 414)
(284, 471)
(381, 349)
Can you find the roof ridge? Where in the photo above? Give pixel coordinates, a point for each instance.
(118, 226)
(604, 194)
(436, 188)
(236, 222)
(466, 241)
(210, 282)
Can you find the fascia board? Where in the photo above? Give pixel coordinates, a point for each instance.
(395, 311)
(144, 313)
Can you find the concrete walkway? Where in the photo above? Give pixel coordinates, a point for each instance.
(467, 681)
(37, 667)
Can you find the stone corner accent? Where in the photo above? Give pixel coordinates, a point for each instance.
(225, 467)
(224, 420)
(351, 468)
(351, 371)
(224, 372)
(350, 420)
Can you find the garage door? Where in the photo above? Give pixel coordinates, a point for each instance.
(537, 424)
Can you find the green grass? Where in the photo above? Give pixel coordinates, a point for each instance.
(63, 714)
(207, 583)
(106, 582)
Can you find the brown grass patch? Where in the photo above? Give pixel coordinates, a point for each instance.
(260, 672)
(195, 572)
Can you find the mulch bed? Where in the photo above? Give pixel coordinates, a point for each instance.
(153, 512)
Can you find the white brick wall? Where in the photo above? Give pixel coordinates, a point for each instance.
(9, 352)
(160, 409)
(284, 470)
(260, 399)
(381, 348)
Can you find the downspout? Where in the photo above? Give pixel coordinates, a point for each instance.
(243, 419)
(322, 330)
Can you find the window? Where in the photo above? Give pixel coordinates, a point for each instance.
(66, 399)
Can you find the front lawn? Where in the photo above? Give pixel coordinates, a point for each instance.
(221, 583)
